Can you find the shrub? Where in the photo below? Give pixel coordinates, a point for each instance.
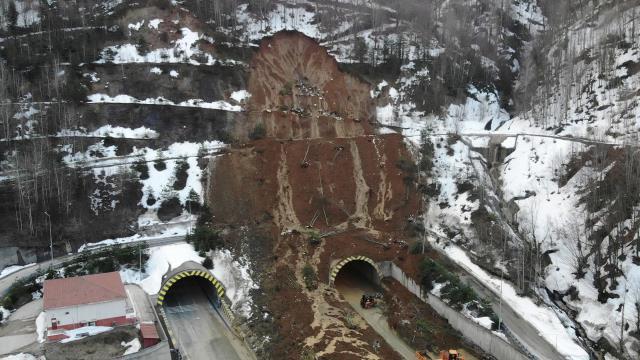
(73, 91)
(169, 209)
(309, 275)
(207, 263)
(160, 165)
(314, 238)
(455, 292)
(258, 132)
(181, 175)
(205, 239)
(142, 168)
(192, 205)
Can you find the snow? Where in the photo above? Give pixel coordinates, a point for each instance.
(113, 132)
(161, 259)
(5, 314)
(167, 230)
(153, 24)
(28, 13)
(281, 17)
(174, 74)
(155, 70)
(136, 26)
(194, 103)
(240, 95)
(529, 14)
(183, 51)
(544, 319)
(23, 356)
(132, 346)
(92, 76)
(236, 278)
(81, 333)
(41, 327)
(233, 273)
(13, 268)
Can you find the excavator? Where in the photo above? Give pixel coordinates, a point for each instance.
(444, 355)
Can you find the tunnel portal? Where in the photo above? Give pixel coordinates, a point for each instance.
(356, 266)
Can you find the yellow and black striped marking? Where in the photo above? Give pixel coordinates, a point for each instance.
(183, 274)
(336, 269)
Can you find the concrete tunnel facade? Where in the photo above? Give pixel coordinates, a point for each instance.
(190, 269)
(361, 264)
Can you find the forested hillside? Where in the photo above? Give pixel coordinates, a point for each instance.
(522, 117)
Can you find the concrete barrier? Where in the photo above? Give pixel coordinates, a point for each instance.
(482, 337)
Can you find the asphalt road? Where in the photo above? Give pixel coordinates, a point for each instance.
(352, 287)
(520, 328)
(198, 330)
(7, 281)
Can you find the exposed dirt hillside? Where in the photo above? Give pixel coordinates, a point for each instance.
(319, 170)
(297, 91)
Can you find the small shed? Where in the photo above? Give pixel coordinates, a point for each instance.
(149, 334)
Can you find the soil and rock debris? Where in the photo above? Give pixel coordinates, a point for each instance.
(317, 184)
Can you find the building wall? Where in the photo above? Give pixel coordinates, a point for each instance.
(111, 311)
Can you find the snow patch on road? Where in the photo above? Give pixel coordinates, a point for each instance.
(13, 268)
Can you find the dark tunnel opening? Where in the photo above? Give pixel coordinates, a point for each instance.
(190, 288)
(358, 274)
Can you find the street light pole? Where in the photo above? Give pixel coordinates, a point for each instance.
(50, 239)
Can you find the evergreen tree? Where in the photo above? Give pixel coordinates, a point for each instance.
(12, 15)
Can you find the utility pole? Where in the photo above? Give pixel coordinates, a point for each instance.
(50, 239)
(140, 266)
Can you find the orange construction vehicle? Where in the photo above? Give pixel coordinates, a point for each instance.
(444, 355)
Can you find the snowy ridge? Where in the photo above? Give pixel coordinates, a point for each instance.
(195, 103)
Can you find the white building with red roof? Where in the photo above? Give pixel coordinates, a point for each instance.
(91, 300)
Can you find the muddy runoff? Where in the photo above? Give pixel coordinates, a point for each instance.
(310, 182)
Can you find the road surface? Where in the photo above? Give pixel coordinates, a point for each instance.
(520, 328)
(7, 281)
(198, 330)
(19, 331)
(351, 287)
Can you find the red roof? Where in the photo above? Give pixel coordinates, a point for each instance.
(81, 290)
(148, 331)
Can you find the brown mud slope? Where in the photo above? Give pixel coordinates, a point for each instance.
(320, 170)
(297, 91)
(338, 184)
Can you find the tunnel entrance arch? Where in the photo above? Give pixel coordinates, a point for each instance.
(362, 265)
(191, 270)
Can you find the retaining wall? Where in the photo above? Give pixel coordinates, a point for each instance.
(482, 337)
